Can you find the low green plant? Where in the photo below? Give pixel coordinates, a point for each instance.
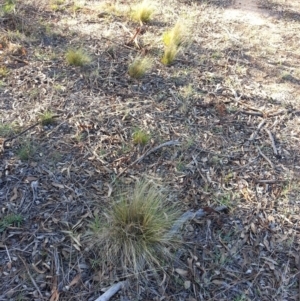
(26, 151)
(142, 12)
(139, 67)
(8, 7)
(46, 118)
(7, 130)
(140, 137)
(10, 220)
(170, 54)
(77, 57)
(3, 71)
(135, 232)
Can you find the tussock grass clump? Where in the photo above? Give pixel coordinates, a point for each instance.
(77, 57)
(46, 118)
(176, 36)
(139, 67)
(174, 39)
(135, 232)
(142, 12)
(170, 54)
(8, 7)
(140, 137)
(26, 151)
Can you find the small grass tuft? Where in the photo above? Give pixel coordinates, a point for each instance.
(8, 7)
(10, 220)
(3, 71)
(46, 118)
(176, 36)
(139, 67)
(135, 232)
(77, 57)
(170, 54)
(142, 12)
(26, 151)
(140, 137)
(7, 130)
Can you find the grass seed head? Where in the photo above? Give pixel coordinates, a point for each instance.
(134, 232)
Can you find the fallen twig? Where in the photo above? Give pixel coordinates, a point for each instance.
(111, 291)
(254, 134)
(23, 132)
(272, 141)
(32, 280)
(188, 216)
(266, 158)
(147, 153)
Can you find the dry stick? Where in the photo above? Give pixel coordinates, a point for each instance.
(188, 216)
(272, 141)
(147, 153)
(111, 291)
(255, 133)
(125, 46)
(23, 132)
(266, 158)
(32, 280)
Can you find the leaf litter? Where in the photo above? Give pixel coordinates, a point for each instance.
(230, 100)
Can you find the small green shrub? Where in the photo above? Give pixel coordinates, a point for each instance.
(135, 231)
(77, 57)
(140, 137)
(142, 12)
(139, 67)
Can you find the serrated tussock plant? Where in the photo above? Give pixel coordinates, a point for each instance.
(135, 232)
(142, 12)
(77, 57)
(139, 67)
(170, 54)
(176, 36)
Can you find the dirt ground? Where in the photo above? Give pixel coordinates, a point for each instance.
(229, 104)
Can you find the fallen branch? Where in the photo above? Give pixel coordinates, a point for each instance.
(266, 158)
(255, 133)
(111, 291)
(147, 153)
(189, 215)
(272, 141)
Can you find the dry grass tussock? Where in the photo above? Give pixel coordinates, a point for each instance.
(134, 232)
